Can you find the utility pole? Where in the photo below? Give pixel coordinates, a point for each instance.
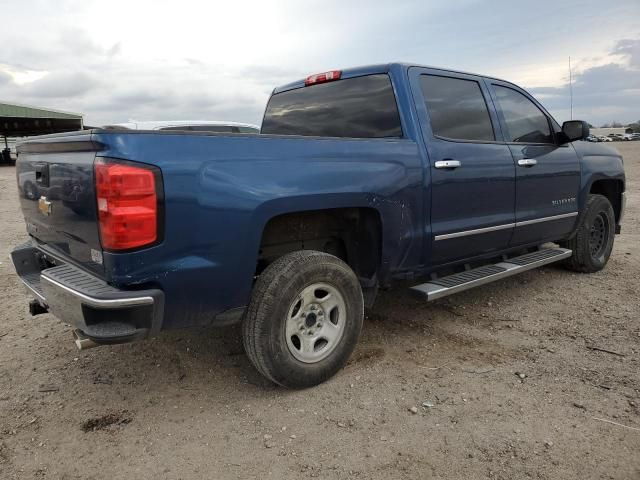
(570, 90)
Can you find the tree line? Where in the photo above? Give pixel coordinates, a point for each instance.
(634, 125)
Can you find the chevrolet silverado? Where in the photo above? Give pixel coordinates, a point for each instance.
(359, 177)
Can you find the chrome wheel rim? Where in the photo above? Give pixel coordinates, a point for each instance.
(315, 322)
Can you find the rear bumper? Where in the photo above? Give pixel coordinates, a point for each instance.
(103, 313)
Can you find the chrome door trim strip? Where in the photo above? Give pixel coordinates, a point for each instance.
(477, 231)
(495, 228)
(546, 219)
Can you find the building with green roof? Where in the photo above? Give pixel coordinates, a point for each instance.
(23, 121)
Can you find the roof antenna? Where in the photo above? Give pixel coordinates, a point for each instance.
(570, 89)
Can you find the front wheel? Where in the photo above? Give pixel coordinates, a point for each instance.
(304, 318)
(593, 241)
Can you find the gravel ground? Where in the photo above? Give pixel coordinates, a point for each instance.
(497, 382)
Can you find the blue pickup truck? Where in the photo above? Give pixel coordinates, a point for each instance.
(359, 177)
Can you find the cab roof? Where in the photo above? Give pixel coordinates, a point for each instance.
(379, 68)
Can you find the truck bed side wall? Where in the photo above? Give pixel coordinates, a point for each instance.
(220, 191)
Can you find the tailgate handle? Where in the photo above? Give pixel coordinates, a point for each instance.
(42, 174)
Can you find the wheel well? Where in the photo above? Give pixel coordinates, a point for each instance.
(352, 234)
(612, 189)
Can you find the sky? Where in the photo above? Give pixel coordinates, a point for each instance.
(219, 60)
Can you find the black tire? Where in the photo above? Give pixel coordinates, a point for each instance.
(593, 242)
(265, 323)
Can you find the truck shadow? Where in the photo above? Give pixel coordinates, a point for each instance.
(400, 330)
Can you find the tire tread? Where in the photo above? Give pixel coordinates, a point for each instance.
(580, 260)
(266, 291)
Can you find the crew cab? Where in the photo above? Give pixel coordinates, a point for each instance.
(359, 177)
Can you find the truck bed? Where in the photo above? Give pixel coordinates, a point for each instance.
(219, 192)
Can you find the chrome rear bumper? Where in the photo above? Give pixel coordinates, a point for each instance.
(102, 312)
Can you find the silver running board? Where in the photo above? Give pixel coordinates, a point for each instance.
(458, 282)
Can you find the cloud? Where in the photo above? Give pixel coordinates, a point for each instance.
(117, 90)
(630, 49)
(61, 85)
(5, 78)
(602, 93)
(221, 60)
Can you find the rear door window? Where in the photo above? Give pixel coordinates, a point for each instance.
(360, 107)
(457, 108)
(525, 122)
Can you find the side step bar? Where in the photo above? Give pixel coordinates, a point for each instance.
(458, 282)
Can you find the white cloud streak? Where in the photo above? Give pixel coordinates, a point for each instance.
(150, 60)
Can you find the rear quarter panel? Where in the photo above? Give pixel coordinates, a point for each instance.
(220, 191)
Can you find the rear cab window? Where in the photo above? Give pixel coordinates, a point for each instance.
(358, 107)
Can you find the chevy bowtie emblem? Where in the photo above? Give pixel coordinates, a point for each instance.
(45, 206)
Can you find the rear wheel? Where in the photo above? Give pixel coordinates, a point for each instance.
(304, 318)
(593, 242)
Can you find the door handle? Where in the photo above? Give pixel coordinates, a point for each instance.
(527, 162)
(448, 164)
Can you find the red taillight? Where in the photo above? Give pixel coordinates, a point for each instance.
(127, 205)
(323, 77)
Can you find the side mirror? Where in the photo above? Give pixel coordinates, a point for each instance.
(575, 130)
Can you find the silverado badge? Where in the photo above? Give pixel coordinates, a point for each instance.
(45, 206)
(563, 201)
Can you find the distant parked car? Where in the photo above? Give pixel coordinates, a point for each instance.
(27, 183)
(602, 138)
(592, 138)
(188, 126)
(6, 158)
(635, 136)
(620, 137)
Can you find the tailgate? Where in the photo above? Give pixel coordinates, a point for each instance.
(57, 195)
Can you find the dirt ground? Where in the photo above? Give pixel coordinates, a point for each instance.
(188, 405)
